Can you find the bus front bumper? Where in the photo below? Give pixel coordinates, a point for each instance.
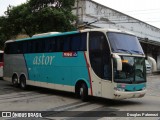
(126, 95)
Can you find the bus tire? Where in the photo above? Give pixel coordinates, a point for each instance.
(23, 82)
(83, 92)
(15, 80)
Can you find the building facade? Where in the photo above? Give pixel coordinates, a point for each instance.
(99, 15)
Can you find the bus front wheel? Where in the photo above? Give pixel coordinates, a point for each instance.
(23, 82)
(83, 92)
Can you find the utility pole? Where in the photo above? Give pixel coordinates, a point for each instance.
(77, 13)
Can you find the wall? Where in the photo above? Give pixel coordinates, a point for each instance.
(90, 11)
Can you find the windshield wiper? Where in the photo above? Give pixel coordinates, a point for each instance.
(125, 50)
(138, 52)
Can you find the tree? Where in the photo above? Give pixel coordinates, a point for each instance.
(5, 31)
(57, 13)
(37, 16)
(14, 22)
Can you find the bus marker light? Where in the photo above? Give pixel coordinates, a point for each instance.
(124, 61)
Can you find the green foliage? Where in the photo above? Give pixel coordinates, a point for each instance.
(37, 16)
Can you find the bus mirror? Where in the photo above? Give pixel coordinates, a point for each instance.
(118, 61)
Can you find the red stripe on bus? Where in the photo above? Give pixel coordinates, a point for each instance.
(88, 73)
(1, 64)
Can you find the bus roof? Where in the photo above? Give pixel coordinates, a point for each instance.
(51, 34)
(107, 30)
(43, 34)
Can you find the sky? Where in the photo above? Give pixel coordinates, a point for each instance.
(145, 10)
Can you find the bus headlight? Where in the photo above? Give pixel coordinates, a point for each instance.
(119, 89)
(144, 88)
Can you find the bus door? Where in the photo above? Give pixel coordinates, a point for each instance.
(100, 61)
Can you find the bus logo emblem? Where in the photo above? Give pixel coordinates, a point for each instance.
(70, 54)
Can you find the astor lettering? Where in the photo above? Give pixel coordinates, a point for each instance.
(43, 60)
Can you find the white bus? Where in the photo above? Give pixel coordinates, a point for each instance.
(96, 62)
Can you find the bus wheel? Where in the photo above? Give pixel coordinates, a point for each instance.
(83, 92)
(15, 80)
(23, 82)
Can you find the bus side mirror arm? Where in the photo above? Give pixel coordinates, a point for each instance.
(118, 60)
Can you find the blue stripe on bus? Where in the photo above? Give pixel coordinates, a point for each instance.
(56, 68)
(47, 36)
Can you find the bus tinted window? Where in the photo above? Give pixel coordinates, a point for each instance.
(39, 46)
(1, 57)
(14, 48)
(50, 45)
(24, 47)
(60, 43)
(74, 42)
(11, 48)
(79, 42)
(30, 47)
(100, 55)
(67, 43)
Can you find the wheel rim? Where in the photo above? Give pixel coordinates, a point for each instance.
(22, 84)
(81, 91)
(15, 81)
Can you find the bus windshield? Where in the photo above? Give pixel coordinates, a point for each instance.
(124, 43)
(133, 70)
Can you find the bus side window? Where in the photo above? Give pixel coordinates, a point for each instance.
(76, 42)
(67, 43)
(95, 54)
(59, 44)
(19, 48)
(24, 47)
(83, 45)
(33, 46)
(47, 45)
(39, 46)
(50, 44)
(99, 55)
(13, 48)
(7, 48)
(29, 47)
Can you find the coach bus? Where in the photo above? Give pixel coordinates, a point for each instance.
(96, 62)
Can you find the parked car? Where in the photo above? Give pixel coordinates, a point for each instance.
(148, 67)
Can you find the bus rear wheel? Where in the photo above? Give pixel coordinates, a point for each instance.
(15, 80)
(23, 82)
